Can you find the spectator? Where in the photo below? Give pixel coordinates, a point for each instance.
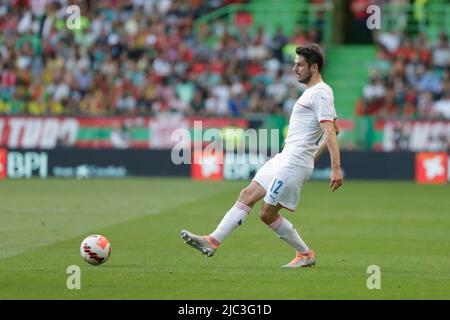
(198, 102)
(359, 31)
(405, 51)
(277, 43)
(441, 53)
(238, 105)
(139, 57)
(428, 80)
(425, 104)
(389, 41)
(289, 103)
(373, 94)
(277, 90)
(441, 108)
(409, 80)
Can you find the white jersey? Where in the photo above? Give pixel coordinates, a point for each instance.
(315, 105)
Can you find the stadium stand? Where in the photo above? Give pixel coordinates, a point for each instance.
(135, 57)
(410, 75)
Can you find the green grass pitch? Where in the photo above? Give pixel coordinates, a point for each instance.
(401, 227)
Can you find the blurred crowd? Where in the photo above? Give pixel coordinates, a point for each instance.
(140, 57)
(410, 78)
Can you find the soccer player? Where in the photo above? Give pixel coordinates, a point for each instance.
(312, 130)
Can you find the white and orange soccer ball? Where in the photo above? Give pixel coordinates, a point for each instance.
(95, 249)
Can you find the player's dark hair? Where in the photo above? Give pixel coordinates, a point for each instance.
(312, 54)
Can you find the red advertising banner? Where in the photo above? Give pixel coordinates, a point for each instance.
(207, 166)
(431, 168)
(105, 132)
(3, 163)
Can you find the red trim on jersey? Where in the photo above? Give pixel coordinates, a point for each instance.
(326, 121)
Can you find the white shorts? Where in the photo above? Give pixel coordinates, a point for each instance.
(282, 181)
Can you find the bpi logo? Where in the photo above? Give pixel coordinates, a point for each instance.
(26, 164)
(431, 168)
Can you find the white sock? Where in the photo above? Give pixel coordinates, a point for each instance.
(232, 219)
(286, 231)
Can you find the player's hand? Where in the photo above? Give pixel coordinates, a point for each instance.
(336, 179)
(336, 128)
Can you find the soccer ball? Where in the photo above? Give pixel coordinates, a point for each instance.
(95, 249)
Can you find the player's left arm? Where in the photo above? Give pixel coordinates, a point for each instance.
(331, 143)
(323, 143)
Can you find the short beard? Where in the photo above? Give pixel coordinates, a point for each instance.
(307, 79)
